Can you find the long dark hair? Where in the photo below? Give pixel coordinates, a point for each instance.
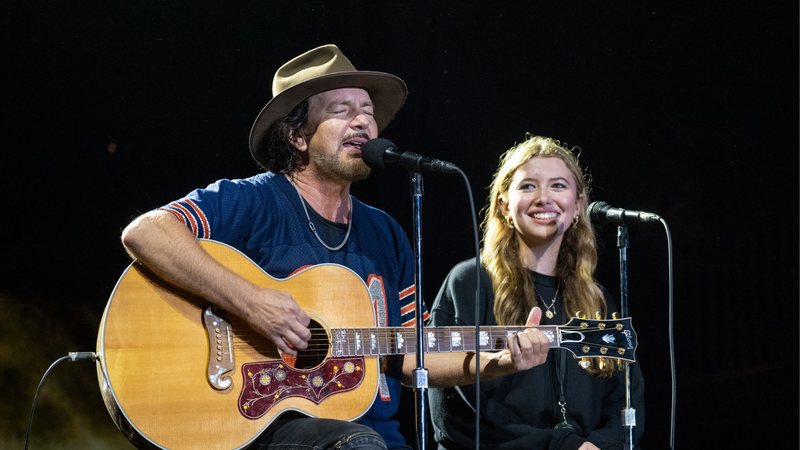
(281, 156)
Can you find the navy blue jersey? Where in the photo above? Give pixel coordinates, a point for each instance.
(262, 216)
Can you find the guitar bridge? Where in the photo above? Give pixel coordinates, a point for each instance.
(220, 350)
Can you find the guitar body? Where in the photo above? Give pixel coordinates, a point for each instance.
(155, 356)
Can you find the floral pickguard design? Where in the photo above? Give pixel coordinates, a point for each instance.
(267, 383)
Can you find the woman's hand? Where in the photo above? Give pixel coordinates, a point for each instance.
(528, 348)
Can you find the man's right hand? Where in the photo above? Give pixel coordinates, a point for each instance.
(164, 244)
(277, 316)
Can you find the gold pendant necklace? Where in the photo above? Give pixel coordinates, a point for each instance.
(550, 309)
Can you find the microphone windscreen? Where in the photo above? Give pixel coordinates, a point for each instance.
(373, 150)
(597, 210)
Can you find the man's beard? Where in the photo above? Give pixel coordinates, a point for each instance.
(329, 166)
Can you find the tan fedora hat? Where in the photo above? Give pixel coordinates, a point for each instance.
(319, 70)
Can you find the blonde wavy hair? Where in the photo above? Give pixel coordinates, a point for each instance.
(514, 293)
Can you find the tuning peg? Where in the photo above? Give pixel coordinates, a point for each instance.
(615, 315)
(584, 363)
(578, 314)
(597, 315)
(601, 363)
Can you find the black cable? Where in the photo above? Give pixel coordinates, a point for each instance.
(72, 356)
(477, 310)
(673, 375)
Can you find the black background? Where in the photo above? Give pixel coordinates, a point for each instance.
(686, 109)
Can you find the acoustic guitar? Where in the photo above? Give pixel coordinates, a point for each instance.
(177, 373)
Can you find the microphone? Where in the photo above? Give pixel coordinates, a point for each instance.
(379, 153)
(601, 212)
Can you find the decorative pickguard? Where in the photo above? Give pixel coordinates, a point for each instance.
(267, 383)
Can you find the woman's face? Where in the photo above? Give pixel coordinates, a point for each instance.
(541, 201)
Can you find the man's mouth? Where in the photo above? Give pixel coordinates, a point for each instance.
(356, 142)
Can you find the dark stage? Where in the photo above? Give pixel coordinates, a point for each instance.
(685, 109)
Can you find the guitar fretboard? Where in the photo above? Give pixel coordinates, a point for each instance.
(402, 340)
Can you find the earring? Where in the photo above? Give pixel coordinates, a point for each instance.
(509, 222)
(576, 220)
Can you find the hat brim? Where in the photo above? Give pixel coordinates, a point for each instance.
(388, 94)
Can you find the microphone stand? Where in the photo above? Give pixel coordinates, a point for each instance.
(628, 414)
(420, 376)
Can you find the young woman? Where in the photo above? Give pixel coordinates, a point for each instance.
(538, 250)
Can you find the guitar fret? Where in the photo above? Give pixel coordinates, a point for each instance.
(431, 339)
(357, 342)
(385, 342)
(356, 337)
(402, 342)
(347, 338)
(391, 342)
(373, 342)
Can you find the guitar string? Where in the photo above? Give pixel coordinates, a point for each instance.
(409, 338)
(389, 351)
(387, 339)
(390, 332)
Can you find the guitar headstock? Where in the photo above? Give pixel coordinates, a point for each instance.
(599, 338)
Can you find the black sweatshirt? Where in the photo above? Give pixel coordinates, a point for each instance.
(521, 410)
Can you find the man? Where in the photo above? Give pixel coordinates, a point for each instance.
(300, 213)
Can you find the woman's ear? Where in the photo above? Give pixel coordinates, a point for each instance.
(580, 204)
(502, 205)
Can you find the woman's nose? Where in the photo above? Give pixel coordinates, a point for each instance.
(541, 196)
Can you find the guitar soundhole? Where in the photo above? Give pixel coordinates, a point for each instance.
(318, 347)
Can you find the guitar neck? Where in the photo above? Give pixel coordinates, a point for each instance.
(583, 338)
(402, 340)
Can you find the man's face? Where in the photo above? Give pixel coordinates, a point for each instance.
(340, 121)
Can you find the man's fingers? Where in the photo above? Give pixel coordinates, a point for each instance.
(295, 341)
(283, 345)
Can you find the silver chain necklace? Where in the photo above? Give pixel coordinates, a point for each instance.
(550, 312)
(314, 229)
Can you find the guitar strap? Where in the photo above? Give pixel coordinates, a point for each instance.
(561, 370)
